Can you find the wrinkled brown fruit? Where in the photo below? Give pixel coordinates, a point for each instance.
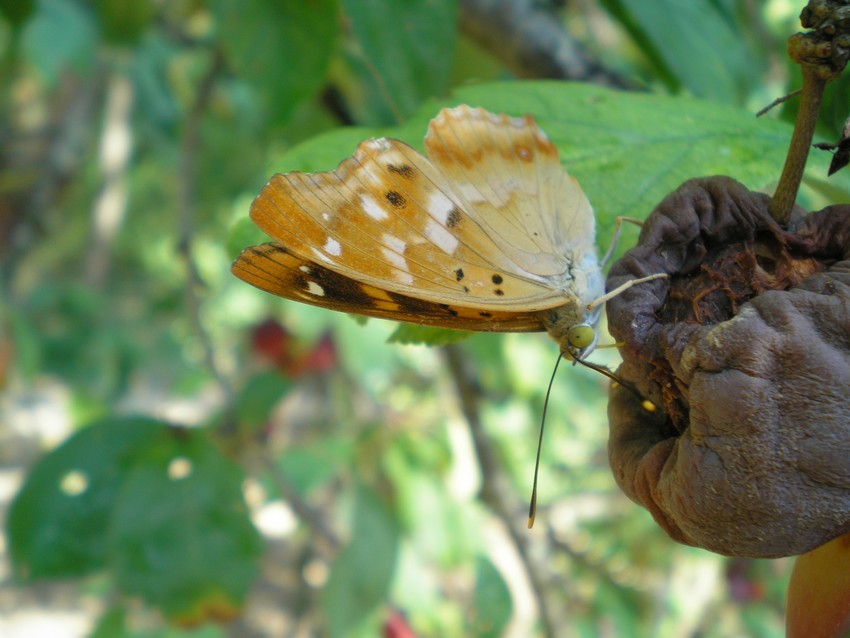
(746, 353)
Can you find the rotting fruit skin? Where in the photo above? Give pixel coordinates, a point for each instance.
(746, 352)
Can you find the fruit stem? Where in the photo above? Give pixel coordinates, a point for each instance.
(798, 151)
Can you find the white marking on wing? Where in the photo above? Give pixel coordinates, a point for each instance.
(320, 255)
(470, 193)
(394, 258)
(315, 289)
(379, 144)
(441, 237)
(393, 252)
(403, 277)
(372, 208)
(332, 247)
(394, 242)
(440, 206)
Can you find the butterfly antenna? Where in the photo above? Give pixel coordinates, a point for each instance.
(532, 508)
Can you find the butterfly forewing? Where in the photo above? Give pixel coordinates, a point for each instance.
(271, 267)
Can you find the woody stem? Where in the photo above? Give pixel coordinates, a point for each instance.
(798, 151)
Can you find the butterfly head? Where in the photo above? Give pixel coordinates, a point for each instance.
(573, 328)
(580, 340)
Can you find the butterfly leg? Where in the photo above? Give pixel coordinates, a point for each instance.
(623, 287)
(616, 237)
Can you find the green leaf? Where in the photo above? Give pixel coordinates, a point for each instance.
(181, 538)
(834, 110)
(628, 150)
(148, 69)
(58, 521)
(434, 523)
(26, 337)
(409, 333)
(242, 234)
(282, 49)
(694, 42)
(409, 45)
(80, 339)
(123, 22)
(61, 34)
(492, 606)
(361, 575)
(111, 624)
(258, 397)
(325, 151)
(308, 468)
(16, 12)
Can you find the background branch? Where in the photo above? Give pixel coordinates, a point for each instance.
(532, 42)
(186, 193)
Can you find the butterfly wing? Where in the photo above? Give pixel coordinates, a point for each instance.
(273, 268)
(486, 221)
(509, 178)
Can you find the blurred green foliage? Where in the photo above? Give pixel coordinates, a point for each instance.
(310, 475)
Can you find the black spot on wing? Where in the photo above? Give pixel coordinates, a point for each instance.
(396, 199)
(272, 247)
(401, 169)
(459, 274)
(454, 218)
(419, 307)
(335, 286)
(449, 310)
(497, 278)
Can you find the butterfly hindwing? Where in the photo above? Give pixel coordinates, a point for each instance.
(273, 268)
(512, 183)
(377, 218)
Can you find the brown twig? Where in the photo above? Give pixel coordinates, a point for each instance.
(495, 491)
(305, 512)
(532, 42)
(798, 151)
(822, 53)
(778, 101)
(186, 192)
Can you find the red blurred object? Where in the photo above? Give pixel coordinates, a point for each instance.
(396, 626)
(275, 345)
(322, 357)
(743, 587)
(271, 341)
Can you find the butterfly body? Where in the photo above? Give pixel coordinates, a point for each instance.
(485, 232)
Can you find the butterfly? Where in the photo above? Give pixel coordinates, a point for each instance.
(485, 232)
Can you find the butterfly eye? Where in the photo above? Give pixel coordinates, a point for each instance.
(581, 336)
